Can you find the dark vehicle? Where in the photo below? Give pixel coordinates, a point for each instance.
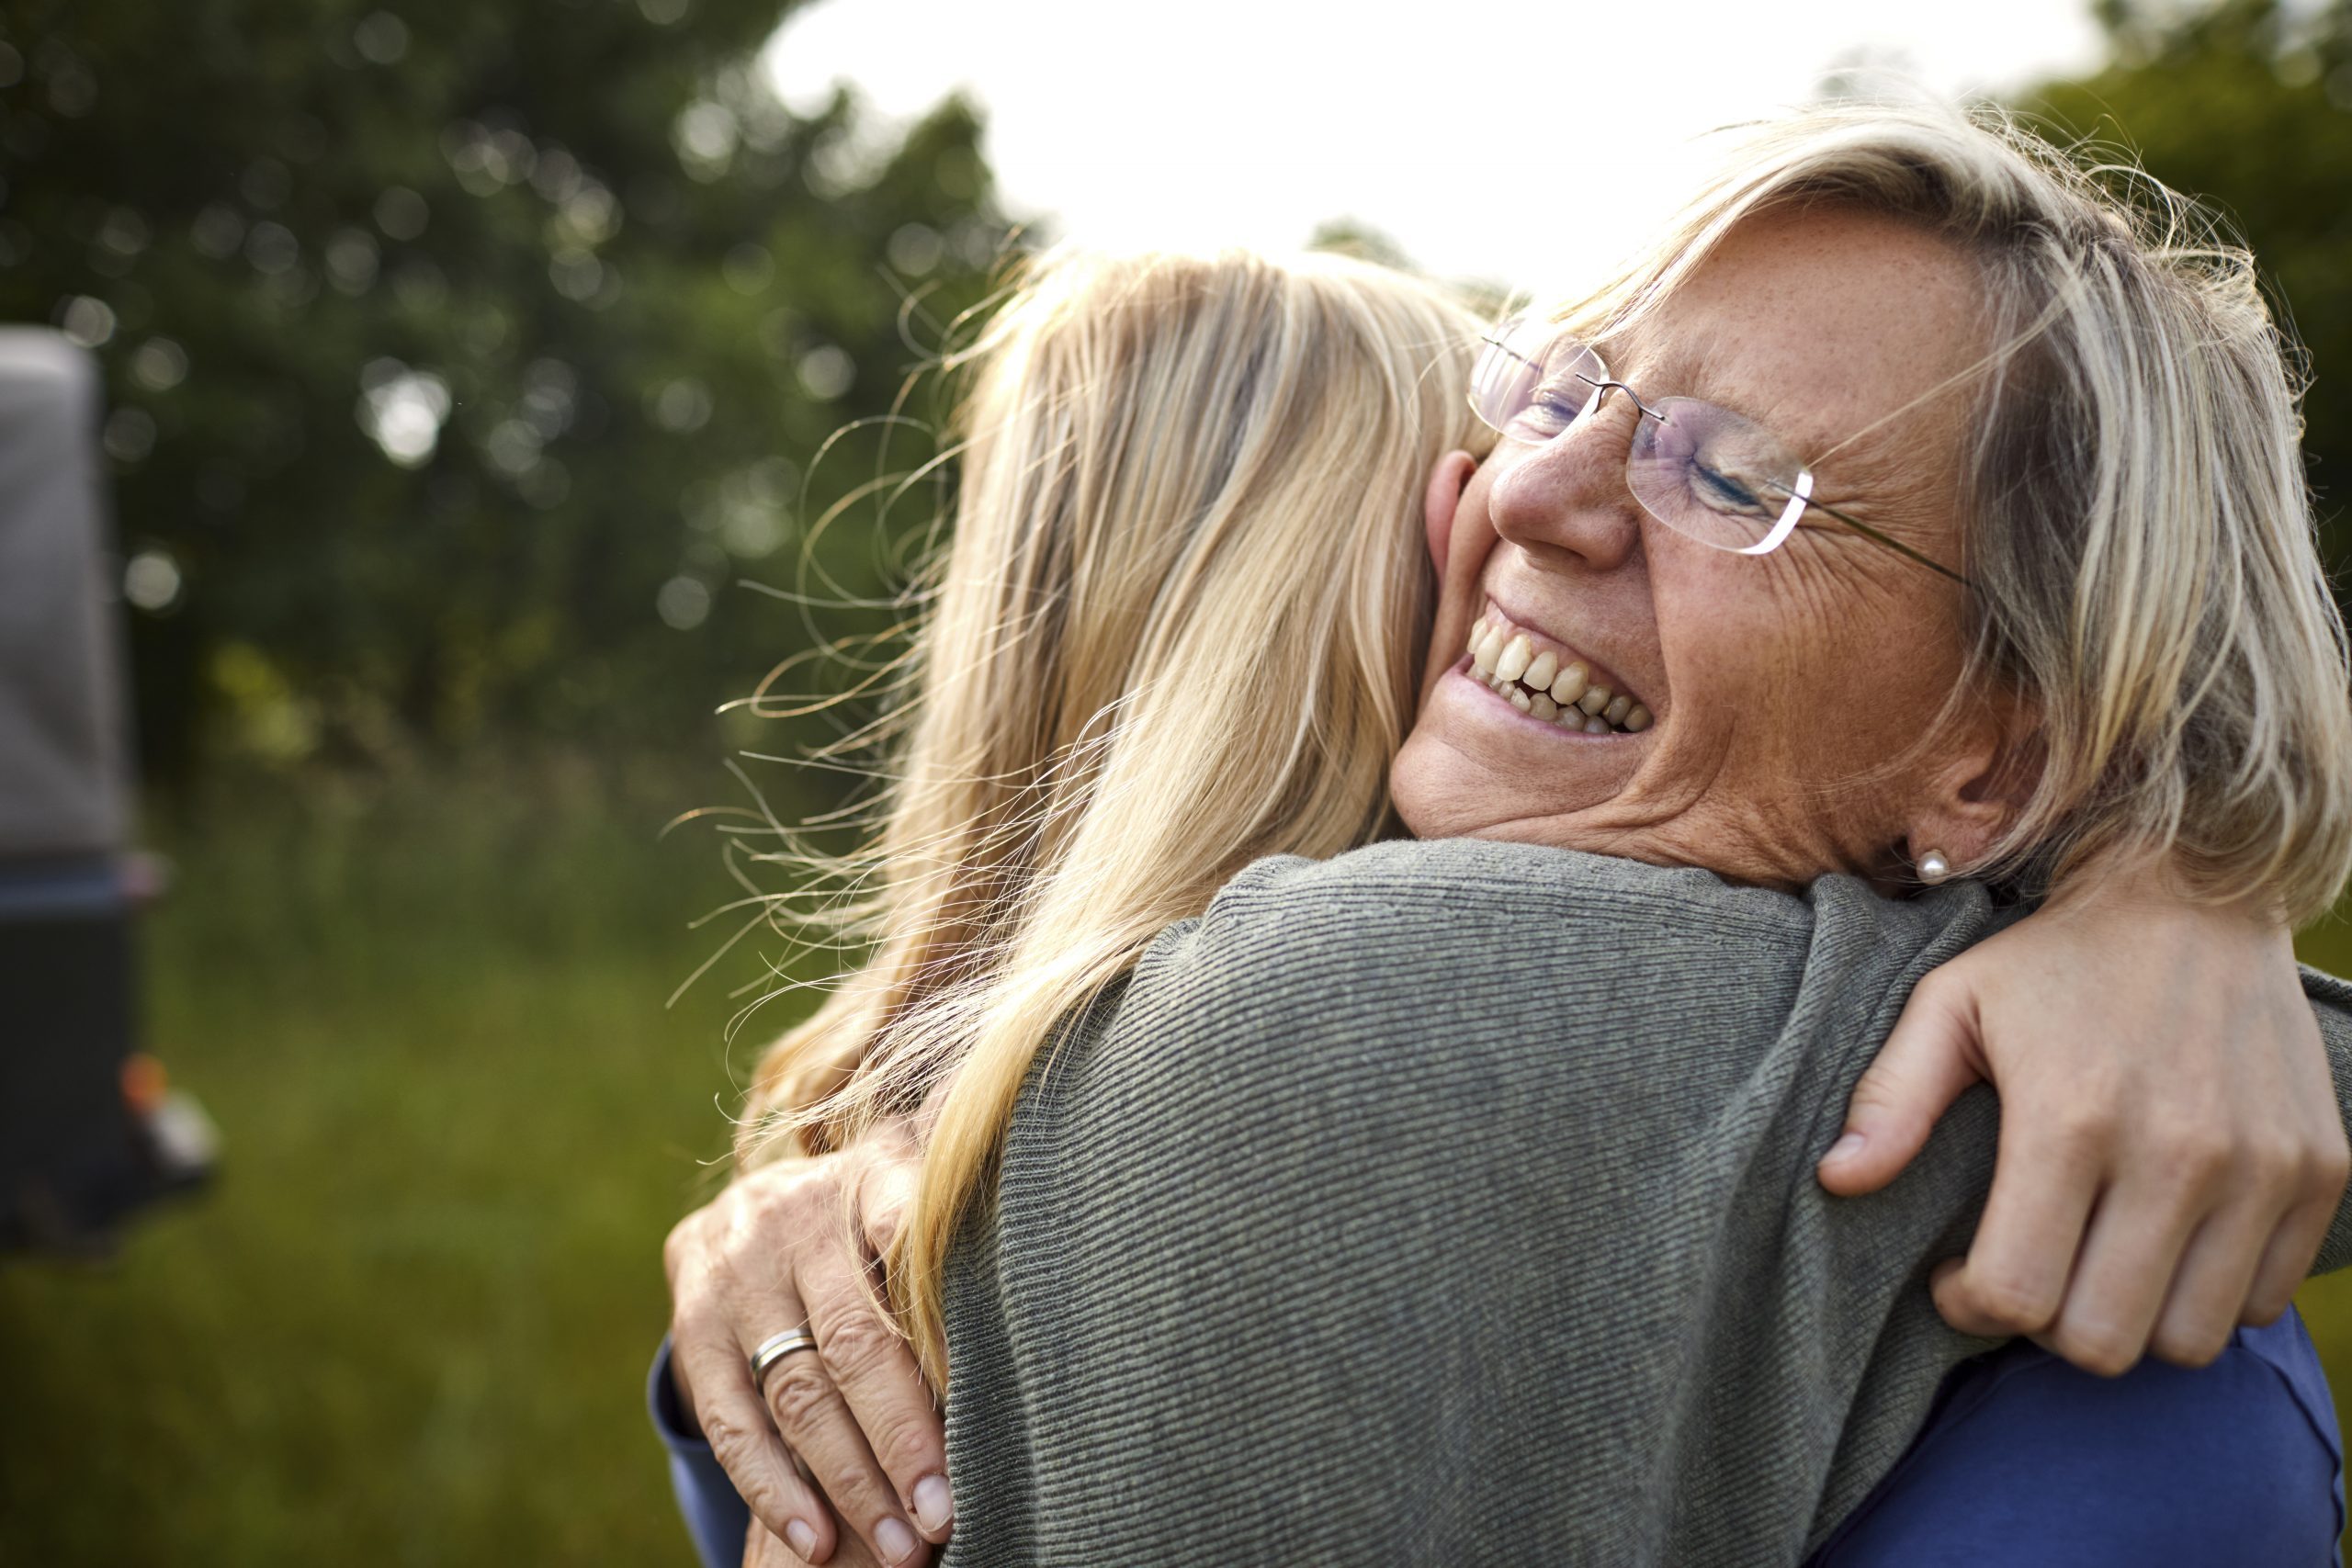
(88, 1132)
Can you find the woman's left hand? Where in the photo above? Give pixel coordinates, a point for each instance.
(2171, 1151)
(778, 1250)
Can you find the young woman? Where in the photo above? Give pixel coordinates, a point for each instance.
(1096, 804)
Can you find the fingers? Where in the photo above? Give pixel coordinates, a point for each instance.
(2243, 1264)
(884, 1195)
(1925, 1064)
(2210, 1289)
(763, 1550)
(2170, 1156)
(2045, 1179)
(2166, 1255)
(873, 1370)
(2129, 1261)
(2287, 1258)
(2157, 1260)
(2318, 1171)
(740, 1270)
(815, 1422)
(745, 1443)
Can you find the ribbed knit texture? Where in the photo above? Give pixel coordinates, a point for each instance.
(1453, 1202)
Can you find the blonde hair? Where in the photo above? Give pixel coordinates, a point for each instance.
(1179, 628)
(2134, 512)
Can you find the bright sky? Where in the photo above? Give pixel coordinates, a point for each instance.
(1253, 120)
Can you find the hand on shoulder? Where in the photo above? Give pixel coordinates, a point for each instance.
(2171, 1150)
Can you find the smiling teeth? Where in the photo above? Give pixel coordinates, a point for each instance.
(1539, 684)
(1483, 646)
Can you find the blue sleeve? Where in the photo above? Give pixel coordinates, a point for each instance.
(715, 1516)
(2029, 1463)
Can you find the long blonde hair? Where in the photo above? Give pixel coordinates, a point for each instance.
(1179, 628)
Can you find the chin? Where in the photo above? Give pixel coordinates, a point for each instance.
(1409, 791)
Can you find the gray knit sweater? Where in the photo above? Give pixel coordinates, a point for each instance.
(1452, 1202)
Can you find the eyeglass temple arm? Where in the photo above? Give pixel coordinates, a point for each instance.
(1858, 526)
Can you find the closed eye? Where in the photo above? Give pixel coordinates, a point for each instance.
(1720, 490)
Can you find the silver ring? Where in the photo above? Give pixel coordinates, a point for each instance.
(775, 1349)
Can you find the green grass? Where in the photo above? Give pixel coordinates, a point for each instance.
(410, 1325)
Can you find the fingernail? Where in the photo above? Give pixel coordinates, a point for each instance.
(896, 1541)
(803, 1539)
(935, 1504)
(1847, 1146)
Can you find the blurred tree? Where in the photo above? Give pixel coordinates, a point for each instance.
(460, 353)
(1354, 237)
(2248, 104)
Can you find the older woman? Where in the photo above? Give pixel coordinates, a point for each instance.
(2009, 611)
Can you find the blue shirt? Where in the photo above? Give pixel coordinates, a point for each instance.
(2025, 1462)
(2029, 1463)
(715, 1516)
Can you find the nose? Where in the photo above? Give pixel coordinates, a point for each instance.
(1565, 502)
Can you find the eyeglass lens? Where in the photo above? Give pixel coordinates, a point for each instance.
(1703, 470)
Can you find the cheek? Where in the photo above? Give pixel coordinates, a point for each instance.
(1789, 674)
(1728, 643)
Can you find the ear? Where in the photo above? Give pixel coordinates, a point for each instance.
(1449, 477)
(1981, 784)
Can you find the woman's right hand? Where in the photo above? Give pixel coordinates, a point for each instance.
(777, 1250)
(2171, 1154)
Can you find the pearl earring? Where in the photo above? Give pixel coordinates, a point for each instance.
(1934, 868)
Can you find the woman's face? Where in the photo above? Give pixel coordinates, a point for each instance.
(1788, 689)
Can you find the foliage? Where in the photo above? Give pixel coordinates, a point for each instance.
(459, 355)
(2248, 104)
